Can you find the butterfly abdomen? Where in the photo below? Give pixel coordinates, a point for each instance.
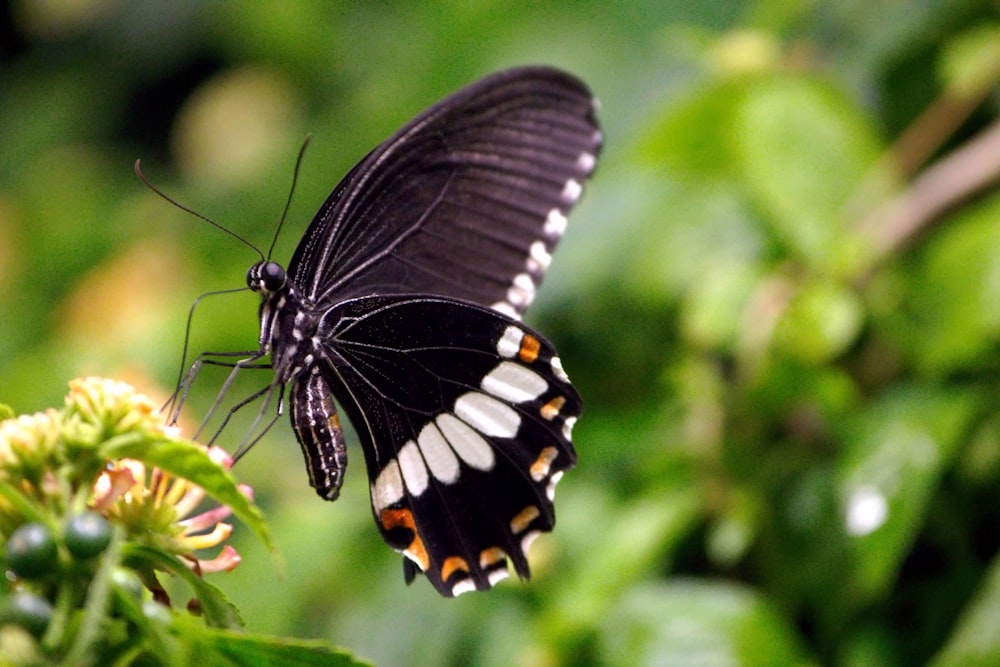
(317, 427)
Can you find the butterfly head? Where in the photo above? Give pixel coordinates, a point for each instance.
(266, 277)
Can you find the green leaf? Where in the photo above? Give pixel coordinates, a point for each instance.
(22, 504)
(903, 445)
(950, 318)
(970, 64)
(976, 639)
(802, 149)
(690, 138)
(687, 622)
(713, 312)
(191, 462)
(821, 322)
(642, 533)
(261, 651)
(178, 639)
(218, 611)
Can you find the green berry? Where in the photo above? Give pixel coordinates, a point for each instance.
(31, 551)
(28, 610)
(87, 535)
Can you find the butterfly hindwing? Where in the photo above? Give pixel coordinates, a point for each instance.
(403, 301)
(465, 416)
(467, 200)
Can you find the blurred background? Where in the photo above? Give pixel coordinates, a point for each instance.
(779, 298)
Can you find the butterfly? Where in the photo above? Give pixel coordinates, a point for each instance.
(403, 301)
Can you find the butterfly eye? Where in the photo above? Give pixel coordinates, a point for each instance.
(266, 277)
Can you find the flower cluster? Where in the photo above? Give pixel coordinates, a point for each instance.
(156, 504)
(59, 461)
(97, 500)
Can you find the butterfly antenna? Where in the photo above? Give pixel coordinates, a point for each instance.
(288, 203)
(142, 177)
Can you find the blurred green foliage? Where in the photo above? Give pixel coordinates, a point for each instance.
(780, 299)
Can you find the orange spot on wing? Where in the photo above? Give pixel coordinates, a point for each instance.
(451, 565)
(540, 468)
(403, 518)
(529, 348)
(491, 556)
(523, 519)
(550, 410)
(333, 422)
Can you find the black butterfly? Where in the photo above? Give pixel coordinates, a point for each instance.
(402, 301)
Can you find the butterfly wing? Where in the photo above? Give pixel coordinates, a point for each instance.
(465, 416)
(467, 200)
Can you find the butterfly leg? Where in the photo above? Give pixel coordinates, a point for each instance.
(184, 384)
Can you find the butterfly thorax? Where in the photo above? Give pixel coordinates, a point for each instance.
(288, 326)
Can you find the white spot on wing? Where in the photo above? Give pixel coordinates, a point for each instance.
(411, 464)
(464, 586)
(550, 489)
(388, 487)
(528, 539)
(572, 191)
(487, 415)
(510, 342)
(557, 369)
(440, 458)
(522, 291)
(513, 382)
(505, 308)
(568, 428)
(555, 223)
(586, 162)
(415, 559)
(496, 576)
(469, 445)
(539, 258)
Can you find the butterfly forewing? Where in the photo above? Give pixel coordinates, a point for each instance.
(403, 300)
(466, 418)
(467, 200)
